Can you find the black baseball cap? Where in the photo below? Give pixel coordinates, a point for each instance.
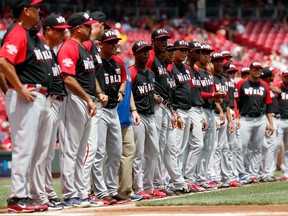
(284, 73)
(180, 44)
(20, 4)
(109, 35)
(226, 54)
(169, 47)
(266, 72)
(245, 70)
(160, 33)
(256, 64)
(206, 47)
(55, 21)
(140, 45)
(80, 18)
(216, 56)
(231, 68)
(100, 17)
(195, 45)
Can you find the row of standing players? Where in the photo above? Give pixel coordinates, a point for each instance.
(168, 102)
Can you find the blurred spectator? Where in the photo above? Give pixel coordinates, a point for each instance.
(5, 137)
(5, 130)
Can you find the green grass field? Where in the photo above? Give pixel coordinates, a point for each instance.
(255, 194)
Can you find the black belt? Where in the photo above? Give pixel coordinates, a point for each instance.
(57, 97)
(252, 115)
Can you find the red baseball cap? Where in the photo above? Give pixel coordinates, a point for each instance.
(256, 65)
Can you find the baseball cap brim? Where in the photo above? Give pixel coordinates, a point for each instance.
(35, 2)
(162, 36)
(144, 47)
(90, 22)
(61, 26)
(180, 47)
(111, 39)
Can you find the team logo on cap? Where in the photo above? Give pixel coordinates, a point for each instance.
(232, 66)
(217, 55)
(256, 64)
(245, 69)
(206, 46)
(162, 31)
(141, 43)
(110, 33)
(183, 43)
(86, 15)
(225, 52)
(11, 49)
(197, 44)
(60, 19)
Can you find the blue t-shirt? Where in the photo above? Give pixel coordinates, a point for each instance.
(124, 107)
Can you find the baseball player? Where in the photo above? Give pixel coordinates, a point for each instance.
(28, 77)
(78, 72)
(54, 30)
(270, 147)
(254, 96)
(169, 174)
(208, 94)
(147, 148)
(195, 143)
(112, 79)
(282, 130)
(97, 32)
(245, 71)
(163, 86)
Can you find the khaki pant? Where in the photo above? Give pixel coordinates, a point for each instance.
(126, 163)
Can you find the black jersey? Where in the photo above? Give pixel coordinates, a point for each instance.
(196, 99)
(221, 84)
(183, 85)
(142, 82)
(207, 87)
(283, 102)
(157, 65)
(110, 76)
(74, 59)
(274, 106)
(28, 56)
(94, 52)
(231, 89)
(253, 97)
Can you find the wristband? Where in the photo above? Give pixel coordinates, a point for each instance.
(122, 92)
(100, 93)
(133, 110)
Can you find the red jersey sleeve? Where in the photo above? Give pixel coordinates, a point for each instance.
(14, 46)
(123, 68)
(268, 99)
(88, 45)
(68, 56)
(151, 59)
(133, 72)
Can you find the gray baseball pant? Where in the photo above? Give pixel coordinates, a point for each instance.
(28, 125)
(253, 132)
(283, 137)
(104, 177)
(74, 129)
(146, 155)
(209, 142)
(195, 144)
